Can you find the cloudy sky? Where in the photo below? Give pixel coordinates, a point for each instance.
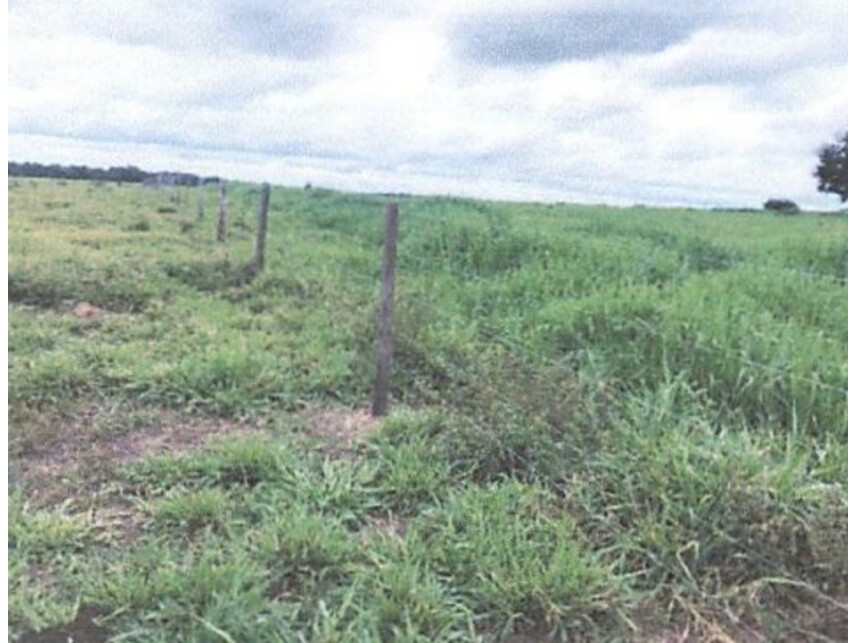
(619, 101)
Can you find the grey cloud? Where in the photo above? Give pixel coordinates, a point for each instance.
(278, 31)
(715, 72)
(275, 29)
(721, 63)
(256, 33)
(535, 39)
(294, 29)
(183, 135)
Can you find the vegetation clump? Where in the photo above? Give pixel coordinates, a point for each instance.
(782, 206)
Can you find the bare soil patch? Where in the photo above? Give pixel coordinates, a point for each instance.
(86, 310)
(82, 629)
(384, 527)
(75, 450)
(339, 431)
(90, 442)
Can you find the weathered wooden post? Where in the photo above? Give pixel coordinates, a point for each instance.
(221, 219)
(381, 394)
(173, 182)
(200, 199)
(261, 230)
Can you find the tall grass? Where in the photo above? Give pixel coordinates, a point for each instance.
(612, 423)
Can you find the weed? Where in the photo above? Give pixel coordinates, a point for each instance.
(191, 511)
(519, 564)
(244, 462)
(142, 225)
(42, 534)
(413, 471)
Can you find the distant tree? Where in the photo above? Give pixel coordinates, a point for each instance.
(782, 206)
(832, 170)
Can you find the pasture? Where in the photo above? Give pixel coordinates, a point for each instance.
(608, 423)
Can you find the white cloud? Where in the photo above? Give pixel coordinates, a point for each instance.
(384, 100)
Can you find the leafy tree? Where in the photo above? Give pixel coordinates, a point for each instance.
(832, 170)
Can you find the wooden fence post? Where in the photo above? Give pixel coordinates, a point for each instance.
(381, 394)
(221, 219)
(200, 199)
(261, 230)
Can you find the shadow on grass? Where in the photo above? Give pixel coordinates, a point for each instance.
(58, 291)
(82, 628)
(211, 276)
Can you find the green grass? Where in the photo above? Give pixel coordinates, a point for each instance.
(611, 424)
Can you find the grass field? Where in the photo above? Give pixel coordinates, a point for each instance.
(609, 424)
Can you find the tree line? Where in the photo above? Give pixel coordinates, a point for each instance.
(127, 174)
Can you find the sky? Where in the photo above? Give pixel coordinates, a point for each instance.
(690, 102)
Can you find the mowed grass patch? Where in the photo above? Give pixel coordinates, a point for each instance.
(610, 424)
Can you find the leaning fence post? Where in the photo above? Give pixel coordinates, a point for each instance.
(261, 230)
(381, 394)
(221, 219)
